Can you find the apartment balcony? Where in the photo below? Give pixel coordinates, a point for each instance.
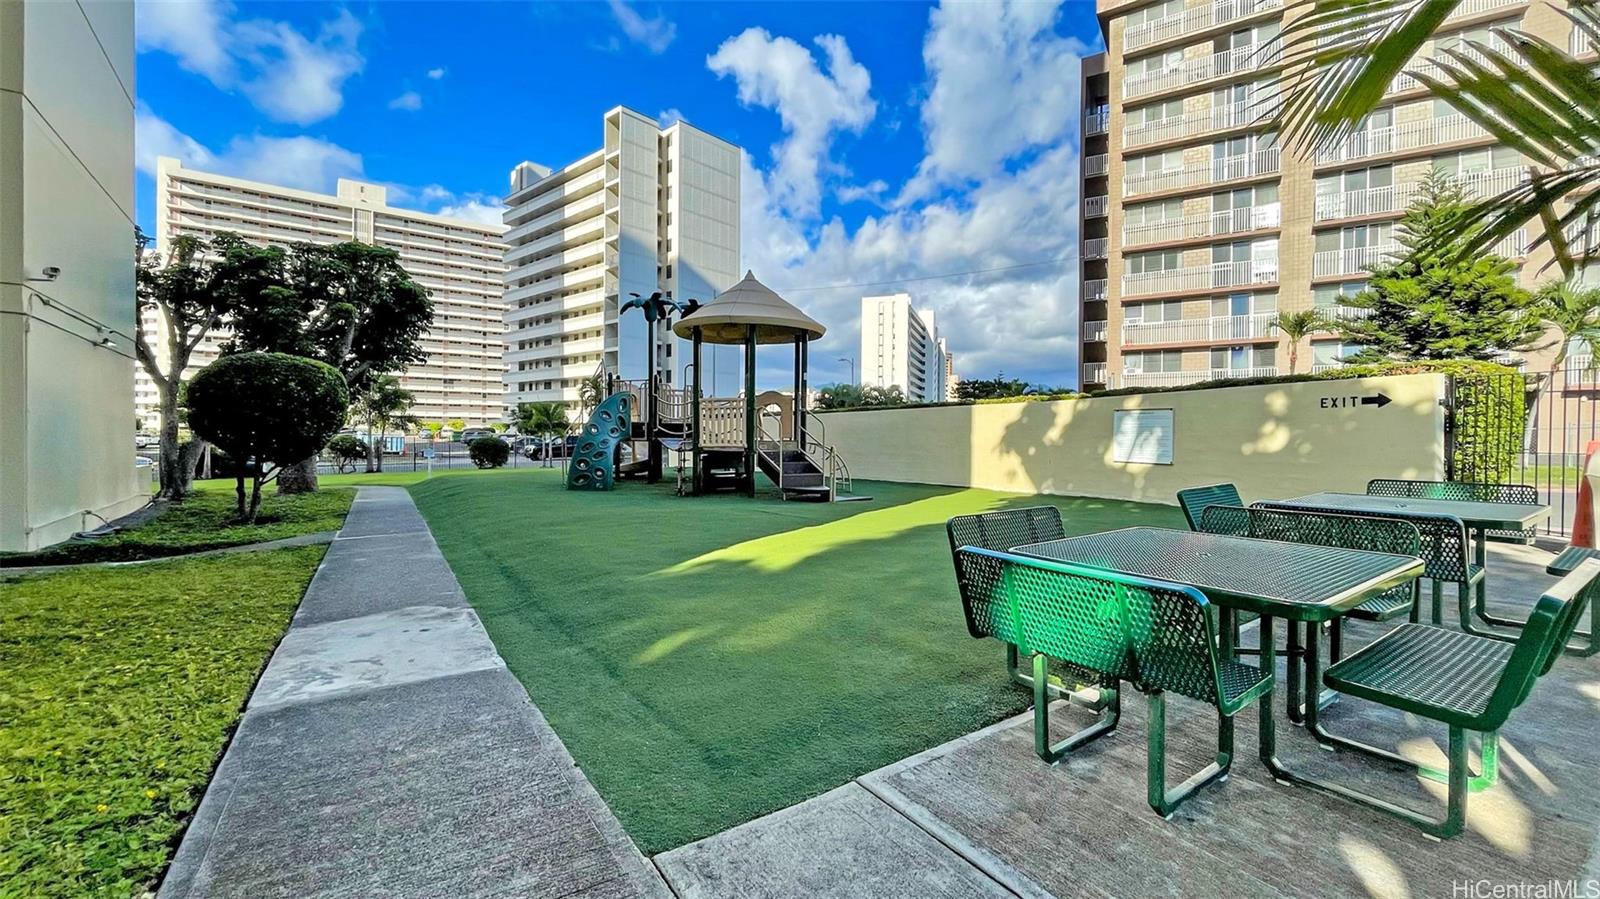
(1351, 260)
(1579, 42)
(1338, 313)
(1216, 329)
(1095, 332)
(1095, 248)
(1096, 121)
(1178, 378)
(1095, 373)
(1217, 118)
(1405, 81)
(1202, 278)
(1228, 221)
(1193, 20)
(1400, 138)
(1190, 71)
(1396, 198)
(1096, 165)
(1094, 290)
(1096, 207)
(1216, 171)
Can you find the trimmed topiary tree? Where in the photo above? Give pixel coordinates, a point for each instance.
(266, 409)
(488, 452)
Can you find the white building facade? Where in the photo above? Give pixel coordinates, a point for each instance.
(900, 347)
(654, 209)
(460, 263)
(67, 304)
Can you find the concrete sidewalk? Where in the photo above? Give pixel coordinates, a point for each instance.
(386, 751)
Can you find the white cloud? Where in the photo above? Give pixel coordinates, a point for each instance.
(1002, 82)
(778, 74)
(410, 101)
(1009, 206)
(304, 162)
(670, 116)
(654, 34)
(284, 73)
(436, 74)
(475, 208)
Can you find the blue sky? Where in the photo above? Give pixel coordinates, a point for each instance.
(886, 142)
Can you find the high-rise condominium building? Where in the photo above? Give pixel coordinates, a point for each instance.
(1197, 230)
(459, 261)
(950, 377)
(66, 271)
(654, 209)
(901, 347)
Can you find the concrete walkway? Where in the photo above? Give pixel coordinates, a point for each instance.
(387, 752)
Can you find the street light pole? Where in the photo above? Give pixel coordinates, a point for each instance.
(852, 362)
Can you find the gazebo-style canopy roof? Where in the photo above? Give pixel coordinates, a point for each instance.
(727, 318)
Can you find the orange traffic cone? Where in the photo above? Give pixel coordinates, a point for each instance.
(1583, 519)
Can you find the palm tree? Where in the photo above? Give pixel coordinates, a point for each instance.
(1574, 311)
(1342, 55)
(591, 392)
(382, 406)
(544, 420)
(1297, 326)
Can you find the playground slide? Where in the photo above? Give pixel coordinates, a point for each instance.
(593, 464)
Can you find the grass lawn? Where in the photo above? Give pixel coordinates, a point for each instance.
(201, 522)
(118, 688)
(710, 660)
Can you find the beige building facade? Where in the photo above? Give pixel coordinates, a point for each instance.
(1198, 229)
(460, 263)
(67, 305)
(654, 209)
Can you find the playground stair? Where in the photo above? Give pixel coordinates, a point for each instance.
(794, 472)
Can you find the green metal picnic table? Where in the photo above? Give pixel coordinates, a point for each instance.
(1273, 579)
(1479, 517)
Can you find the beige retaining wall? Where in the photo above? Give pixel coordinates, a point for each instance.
(1275, 440)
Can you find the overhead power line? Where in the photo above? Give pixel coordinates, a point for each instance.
(962, 274)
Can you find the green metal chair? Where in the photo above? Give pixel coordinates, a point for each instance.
(1525, 494)
(1468, 683)
(1002, 530)
(1155, 635)
(1194, 500)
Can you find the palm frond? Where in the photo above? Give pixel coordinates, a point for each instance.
(1340, 59)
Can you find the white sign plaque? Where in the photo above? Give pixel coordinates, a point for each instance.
(1142, 435)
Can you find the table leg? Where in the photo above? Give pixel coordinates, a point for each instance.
(1227, 630)
(1292, 688)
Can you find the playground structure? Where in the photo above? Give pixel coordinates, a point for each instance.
(727, 441)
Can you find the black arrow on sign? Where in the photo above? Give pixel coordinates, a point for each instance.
(1380, 400)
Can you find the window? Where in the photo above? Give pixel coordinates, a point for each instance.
(1471, 162)
(1354, 237)
(1152, 213)
(1155, 163)
(1155, 65)
(1155, 13)
(1157, 261)
(1153, 361)
(1244, 304)
(1325, 295)
(1150, 313)
(1332, 352)
(1155, 112)
(1239, 358)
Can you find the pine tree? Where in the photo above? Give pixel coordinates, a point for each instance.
(1430, 303)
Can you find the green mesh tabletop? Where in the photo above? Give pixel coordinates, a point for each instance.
(1487, 516)
(1284, 580)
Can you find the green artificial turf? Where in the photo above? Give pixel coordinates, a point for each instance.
(202, 521)
(118, 689)
(709, 660)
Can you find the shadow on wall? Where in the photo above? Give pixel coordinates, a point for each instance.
(1272, 440)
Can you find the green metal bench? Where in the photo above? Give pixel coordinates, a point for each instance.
(1470, 684)
(1001, 530)
(1446, 552)
(1194, 501)
(1157, 636)
(1525, 494)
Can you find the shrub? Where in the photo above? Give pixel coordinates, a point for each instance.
(272, 408)
(488, 452)
(347, 450)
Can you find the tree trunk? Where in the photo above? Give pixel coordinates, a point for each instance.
(255, 499)
(378, 447)
(239, 511)
(374, 455)
(174, 485)
(300, 477)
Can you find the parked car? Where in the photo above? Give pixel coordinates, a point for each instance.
(140, 441)
(471, 434)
